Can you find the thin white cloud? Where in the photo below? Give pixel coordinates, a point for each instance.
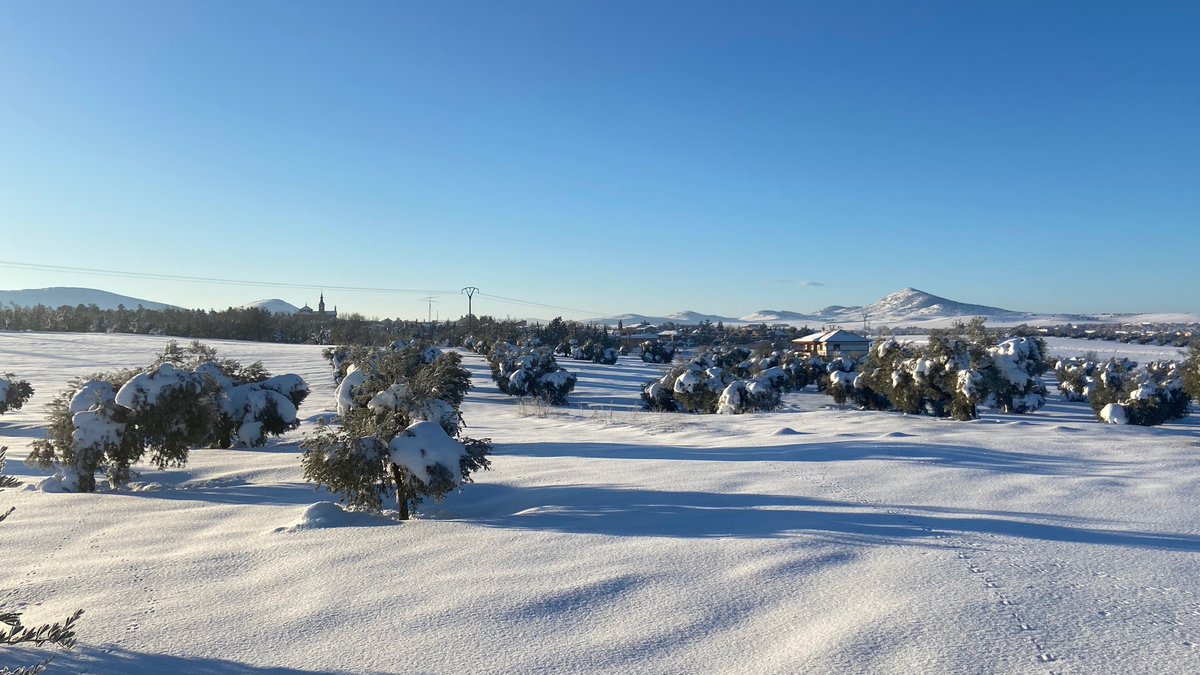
(794, 282)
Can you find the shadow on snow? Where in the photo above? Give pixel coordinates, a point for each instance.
(113, 659)
(957, 456)
(618, 511)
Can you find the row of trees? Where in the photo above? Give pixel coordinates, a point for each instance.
(1120, 392)
(729, 380)
(951, 375)
(400, 431)
(530, 370)
(188, 398)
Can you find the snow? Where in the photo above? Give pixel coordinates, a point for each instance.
(1114, 413)
(91, 394)
(608, 539)
(388, 399)
(354, 379)
(424, 444)
(144, 390)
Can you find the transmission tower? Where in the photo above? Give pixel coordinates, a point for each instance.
(470, 292)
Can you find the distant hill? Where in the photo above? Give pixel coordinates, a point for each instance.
(905, 307)
(774, 316)
(273, 305)
(910, 303)
(71, 296)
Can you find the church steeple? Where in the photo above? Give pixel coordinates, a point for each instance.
(321, 304)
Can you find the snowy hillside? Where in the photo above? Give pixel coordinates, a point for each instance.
(607, 539)
(273, 305)
(909, 307)
(59, 296)
(774, 316)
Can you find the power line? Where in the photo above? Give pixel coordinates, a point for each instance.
(540, 305)
(214, 280)
(276, 284)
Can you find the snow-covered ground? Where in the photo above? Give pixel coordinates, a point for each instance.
(609, 539)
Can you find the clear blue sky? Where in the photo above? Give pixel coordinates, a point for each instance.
(607, 157)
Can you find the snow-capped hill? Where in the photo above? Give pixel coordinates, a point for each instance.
(837, 310)
(774, 315)
(71, 296)
(688, 316)
(915, 304)
(273, 305)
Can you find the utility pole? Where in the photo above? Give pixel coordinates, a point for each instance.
(429, 315)
(470, 292)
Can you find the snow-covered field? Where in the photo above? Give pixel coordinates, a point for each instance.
(609, 539)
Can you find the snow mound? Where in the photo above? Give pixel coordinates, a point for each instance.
(787, 431)
(322, 515)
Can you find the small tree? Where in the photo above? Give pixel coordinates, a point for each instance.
(656, 351)
(111, 421)
(13, 393)
(531, 371)
(1150, 396)
(1191, 371)
(399, 433)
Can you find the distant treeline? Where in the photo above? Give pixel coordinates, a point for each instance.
(253, 324)
(260, 325)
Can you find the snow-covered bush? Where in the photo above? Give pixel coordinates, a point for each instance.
(950, 376)
(1012, 376)
(706, 384)
(590, 351)
(400, 431)
(657, 351)
(13, 393)
(1191, 372)
(110, 421)
(1077, 375)
(1149, 396)
(530, 372)
(743, 396)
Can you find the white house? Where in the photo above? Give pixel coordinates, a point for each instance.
(835, 342)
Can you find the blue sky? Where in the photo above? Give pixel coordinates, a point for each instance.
(606, 157)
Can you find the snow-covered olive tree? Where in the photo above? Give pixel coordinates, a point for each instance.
(707, 384)
(1191, 372)
(110, 421)
(1148, 396)
(949, 376)
(657, 351)
(530, 371)
(399, 432)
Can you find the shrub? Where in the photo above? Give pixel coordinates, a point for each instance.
(1150, 396)
(950, 376)
(13, 393)
(399, 432)
(706, 384)
(657, 351)
(110, 421)
(530, 371)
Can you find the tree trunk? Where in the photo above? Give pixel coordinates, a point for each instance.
(401, 493)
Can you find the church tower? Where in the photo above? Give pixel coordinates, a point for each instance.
(321, 304)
